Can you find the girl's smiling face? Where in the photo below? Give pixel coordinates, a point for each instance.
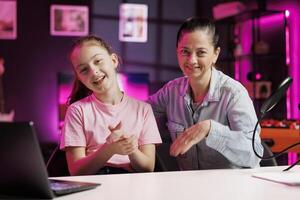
(95, 67)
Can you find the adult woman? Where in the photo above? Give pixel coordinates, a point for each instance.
(210, 116)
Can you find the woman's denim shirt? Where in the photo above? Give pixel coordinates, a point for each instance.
(229, 108)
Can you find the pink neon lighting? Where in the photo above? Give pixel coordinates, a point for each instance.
(287, 61)
(287, 45)
(294, 49)
(288, 104)
(236, 71)
(287, 13)
(293, 8)
(258, 76)
(244, 66)
(136, 90)
(64, 93)
(292, 158)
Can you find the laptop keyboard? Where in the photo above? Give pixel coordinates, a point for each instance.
(60, 187)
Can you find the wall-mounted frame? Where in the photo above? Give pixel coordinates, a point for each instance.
(133, 22)
(8, 19)
(69, 20)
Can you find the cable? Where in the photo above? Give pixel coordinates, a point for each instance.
(298, 161)
(291, 166)
(52, 155)
(274, 156)
(266, 107)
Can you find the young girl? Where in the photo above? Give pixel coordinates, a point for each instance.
(105, 131)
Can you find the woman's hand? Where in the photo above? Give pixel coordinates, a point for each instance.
(189, 137)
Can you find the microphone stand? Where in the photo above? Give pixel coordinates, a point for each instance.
(266, 107)
(274, 156)
(298, 161)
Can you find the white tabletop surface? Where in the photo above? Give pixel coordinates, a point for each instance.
(202, 184)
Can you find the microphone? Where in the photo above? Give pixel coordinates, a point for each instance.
(266, 107)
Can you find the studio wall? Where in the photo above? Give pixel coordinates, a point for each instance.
(35, 58)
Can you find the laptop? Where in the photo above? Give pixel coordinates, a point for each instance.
(22, 168)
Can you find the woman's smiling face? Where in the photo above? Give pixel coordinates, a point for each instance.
(196, 53)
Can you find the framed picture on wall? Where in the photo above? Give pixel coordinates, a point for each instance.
(133, 22)
(69, 20)
(8, 19)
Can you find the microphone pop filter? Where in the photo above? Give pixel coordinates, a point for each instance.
(276, 96)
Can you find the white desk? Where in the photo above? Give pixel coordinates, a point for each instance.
(204, 184)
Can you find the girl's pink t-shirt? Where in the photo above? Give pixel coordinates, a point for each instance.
(87, 121)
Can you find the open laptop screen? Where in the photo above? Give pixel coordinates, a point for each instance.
(22, 168)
